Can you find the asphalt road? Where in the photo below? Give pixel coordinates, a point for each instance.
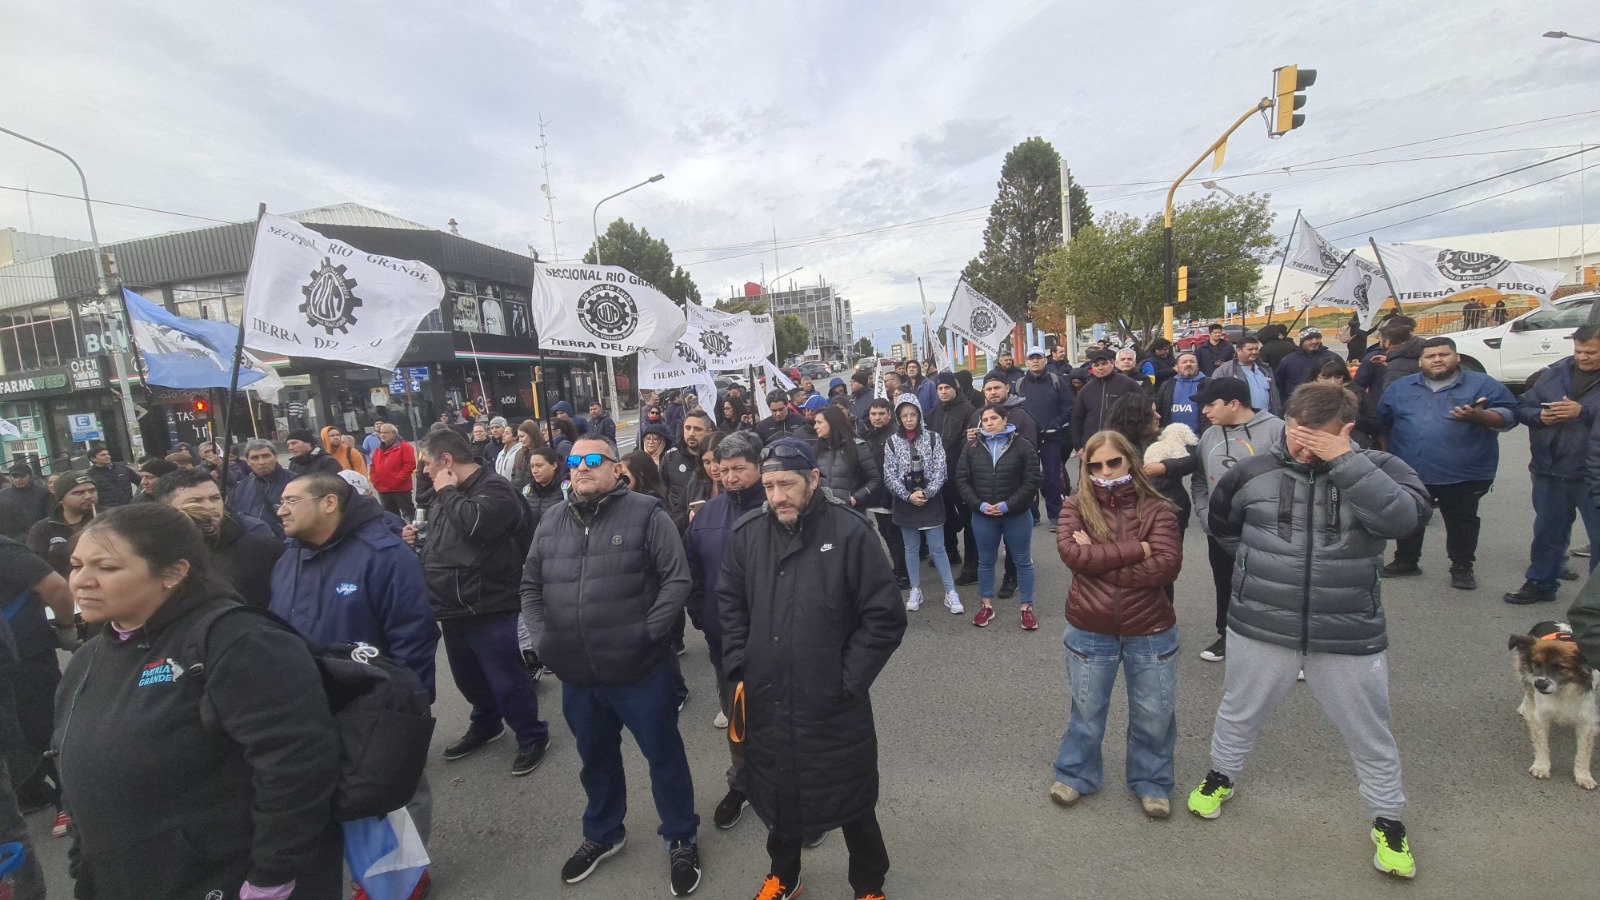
(969, 722)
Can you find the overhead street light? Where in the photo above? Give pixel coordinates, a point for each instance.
(129, 415)
(1576, 37)
(1213, 186)
(594, 222)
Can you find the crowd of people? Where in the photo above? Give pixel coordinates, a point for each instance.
(795, 542)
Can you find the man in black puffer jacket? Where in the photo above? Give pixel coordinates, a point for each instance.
(472, 561)
(810, 616)
(949, 420)
(604, 583)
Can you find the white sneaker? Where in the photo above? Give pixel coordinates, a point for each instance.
(721, 721)
(952, 602)
(914, 602)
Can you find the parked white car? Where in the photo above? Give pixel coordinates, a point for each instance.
(1511, 352)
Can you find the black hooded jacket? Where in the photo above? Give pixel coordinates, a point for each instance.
(245, 560)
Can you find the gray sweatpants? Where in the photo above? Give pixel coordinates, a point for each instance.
(1353, 692)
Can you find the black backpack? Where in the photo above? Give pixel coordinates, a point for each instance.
(380, 711)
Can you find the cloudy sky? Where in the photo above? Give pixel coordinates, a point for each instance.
(867, 135)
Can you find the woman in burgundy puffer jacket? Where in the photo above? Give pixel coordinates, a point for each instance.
(1120, 538)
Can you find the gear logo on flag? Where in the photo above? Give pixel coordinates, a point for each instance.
(607, 312)
(716, 343)
(330, 298)
(1460, 265)
(982, 323)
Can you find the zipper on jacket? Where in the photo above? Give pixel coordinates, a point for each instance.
(1311, 539)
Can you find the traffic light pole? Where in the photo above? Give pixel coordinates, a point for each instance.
(1168, 288)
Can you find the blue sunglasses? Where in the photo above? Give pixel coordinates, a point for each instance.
(592, 460)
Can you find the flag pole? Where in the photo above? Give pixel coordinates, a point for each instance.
(238, 355)
(1394, 292)
(1318, 291)
(1273, 304)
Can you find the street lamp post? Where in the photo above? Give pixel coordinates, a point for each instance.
(1214, 186)
(1577, 37)
(594, 222)
(130, 418)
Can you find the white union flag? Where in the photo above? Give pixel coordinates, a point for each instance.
(604, 310)
(729, 340)
(977, 318)
(1433, 273)
(1312, 254)
(1358, 286)
(311, 295)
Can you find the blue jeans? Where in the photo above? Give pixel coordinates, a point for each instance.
(1556, 503)
(1050, 464)
(596, 713)
(1151, 663)
(941, 558)
(1017, 531)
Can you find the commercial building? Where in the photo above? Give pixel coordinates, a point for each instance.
(54, 372)
(820, 308)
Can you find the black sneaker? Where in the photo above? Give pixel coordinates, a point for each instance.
(684, 857)
(529, 757)
(1217, 652)
(469, 743)
(1008, 588)
(1462, 579)
(583, 862)
(684, 699)
(814, 843)
(964, 577)
(1569, 575)
(904, 581)
(530, 660)
(730, 810)
(1528, 594)
(1398, 569)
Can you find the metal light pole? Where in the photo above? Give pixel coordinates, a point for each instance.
(1265, 103)
(1214, 186)
(1576, 37)
(129, 417)
(594, 222)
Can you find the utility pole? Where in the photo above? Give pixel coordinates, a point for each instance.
(1071, 324)
(594, 222)
(549, 197)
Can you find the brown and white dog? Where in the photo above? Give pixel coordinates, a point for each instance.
(1558, 689)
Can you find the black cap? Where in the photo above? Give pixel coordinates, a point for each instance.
(948, 378)
(20, 468)
(1097, 355)
(1224, 389)
(303, 435)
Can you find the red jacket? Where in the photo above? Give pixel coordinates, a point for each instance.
(1115, 589)
(393, 468)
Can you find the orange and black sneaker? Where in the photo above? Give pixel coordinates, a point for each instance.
(773, 889)
(875, 895)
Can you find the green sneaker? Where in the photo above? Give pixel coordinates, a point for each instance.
(1206, 800)
(1394, 851)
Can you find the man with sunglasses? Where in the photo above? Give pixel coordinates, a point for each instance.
(472, 563)
(604, 583)
(810, 616)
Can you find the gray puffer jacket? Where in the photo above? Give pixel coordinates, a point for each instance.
(1309, 546)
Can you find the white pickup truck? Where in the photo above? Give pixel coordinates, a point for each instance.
(1511, 352)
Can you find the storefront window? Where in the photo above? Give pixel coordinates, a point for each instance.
(219, 299)
(36, 337)
(27, 418)
(484, 308)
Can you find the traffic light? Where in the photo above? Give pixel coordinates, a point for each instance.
(1287, 84)
(201, 407)
(1183, 284)
(905, 331)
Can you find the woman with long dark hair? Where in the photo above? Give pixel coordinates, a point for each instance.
(1120, 538)
(844, 460)
(1164, 455)
(915, 471)
(561, 434)
(705, 482)
(182, 784)
(643, 476)
(998, 476)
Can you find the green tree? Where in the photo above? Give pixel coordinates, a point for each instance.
(650, 258)
(793, 337)
(754, 305)
(862, 348)
(1024, 226)
(1113, 271)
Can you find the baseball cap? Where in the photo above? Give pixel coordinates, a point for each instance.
(788, 455)
(1224, 389)
(1035, 351)
(1101, 354)
(20, 468)
(815, 403)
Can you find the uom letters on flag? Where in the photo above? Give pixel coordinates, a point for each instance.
(728, 340)
(684, 366)
(1432, 273)
(311, 295)
(1358, 286)
(977, 318)
(604, 310)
